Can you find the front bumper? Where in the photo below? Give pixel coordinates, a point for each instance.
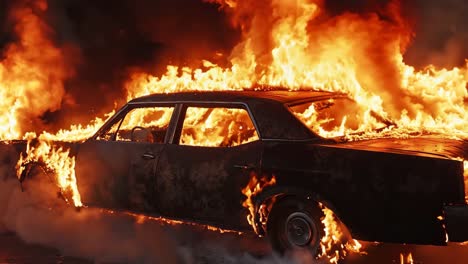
(456, 219)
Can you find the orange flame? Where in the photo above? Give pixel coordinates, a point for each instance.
(217, 127)
(355, 54)
(76, 132)
(407, 260)
(465, 175)
(31, 73)
(255, 186)
(142, 218)
(285, 44)
(333, 244)
(58, 161)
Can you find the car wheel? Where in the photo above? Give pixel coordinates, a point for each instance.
(295, 224)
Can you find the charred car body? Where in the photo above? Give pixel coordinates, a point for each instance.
(188, 155)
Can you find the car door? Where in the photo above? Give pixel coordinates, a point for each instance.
(201, 174)
(117, 168)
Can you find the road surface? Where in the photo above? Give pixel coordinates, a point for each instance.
(14, 250)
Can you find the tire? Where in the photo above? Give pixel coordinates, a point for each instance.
(295, 224)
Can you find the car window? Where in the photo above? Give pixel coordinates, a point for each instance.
(109, 134)
(145, 124)
(217, 127)
(328, 118)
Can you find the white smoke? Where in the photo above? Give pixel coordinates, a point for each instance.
(37, 216)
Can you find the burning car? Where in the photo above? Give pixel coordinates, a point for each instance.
(197, 155)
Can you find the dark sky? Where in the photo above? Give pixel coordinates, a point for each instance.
(108, 39)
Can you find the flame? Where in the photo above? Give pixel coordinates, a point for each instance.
(32, 71)
(32, 74)
(253, 187)
(77, 133)
(442, 221)
(465, 175)
(58, 161)
(142, 218)
(333, 244)
(285, 44)
(407, 260)
(217, 127)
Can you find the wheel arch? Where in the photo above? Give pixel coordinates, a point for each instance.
(280, 193)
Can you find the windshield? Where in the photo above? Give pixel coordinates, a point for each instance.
(336, 117)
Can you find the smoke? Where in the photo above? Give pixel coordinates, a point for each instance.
(37, 216)
(88, 234)
(441, 34)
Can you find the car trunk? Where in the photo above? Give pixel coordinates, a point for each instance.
(421, 146)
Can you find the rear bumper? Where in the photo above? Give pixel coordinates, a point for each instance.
(456, 219)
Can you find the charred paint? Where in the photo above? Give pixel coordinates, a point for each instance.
(205, 183)
(380, 196)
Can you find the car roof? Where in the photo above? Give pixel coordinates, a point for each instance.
(281, 96)
(268, 109)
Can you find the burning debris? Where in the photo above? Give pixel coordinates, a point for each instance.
(336, 244)
(406, 260)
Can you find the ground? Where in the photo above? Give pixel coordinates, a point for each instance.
(37, 231)
(14, 250)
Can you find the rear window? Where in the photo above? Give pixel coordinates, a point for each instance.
(334, 117)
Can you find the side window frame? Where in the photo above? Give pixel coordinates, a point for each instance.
(181, 110)
(118, 117)
(122, 113)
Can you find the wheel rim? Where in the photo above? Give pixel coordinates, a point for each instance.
(300, 230)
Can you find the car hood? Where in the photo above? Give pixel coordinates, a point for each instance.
(421, 146)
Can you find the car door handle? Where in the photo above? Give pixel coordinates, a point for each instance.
(148, 156)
